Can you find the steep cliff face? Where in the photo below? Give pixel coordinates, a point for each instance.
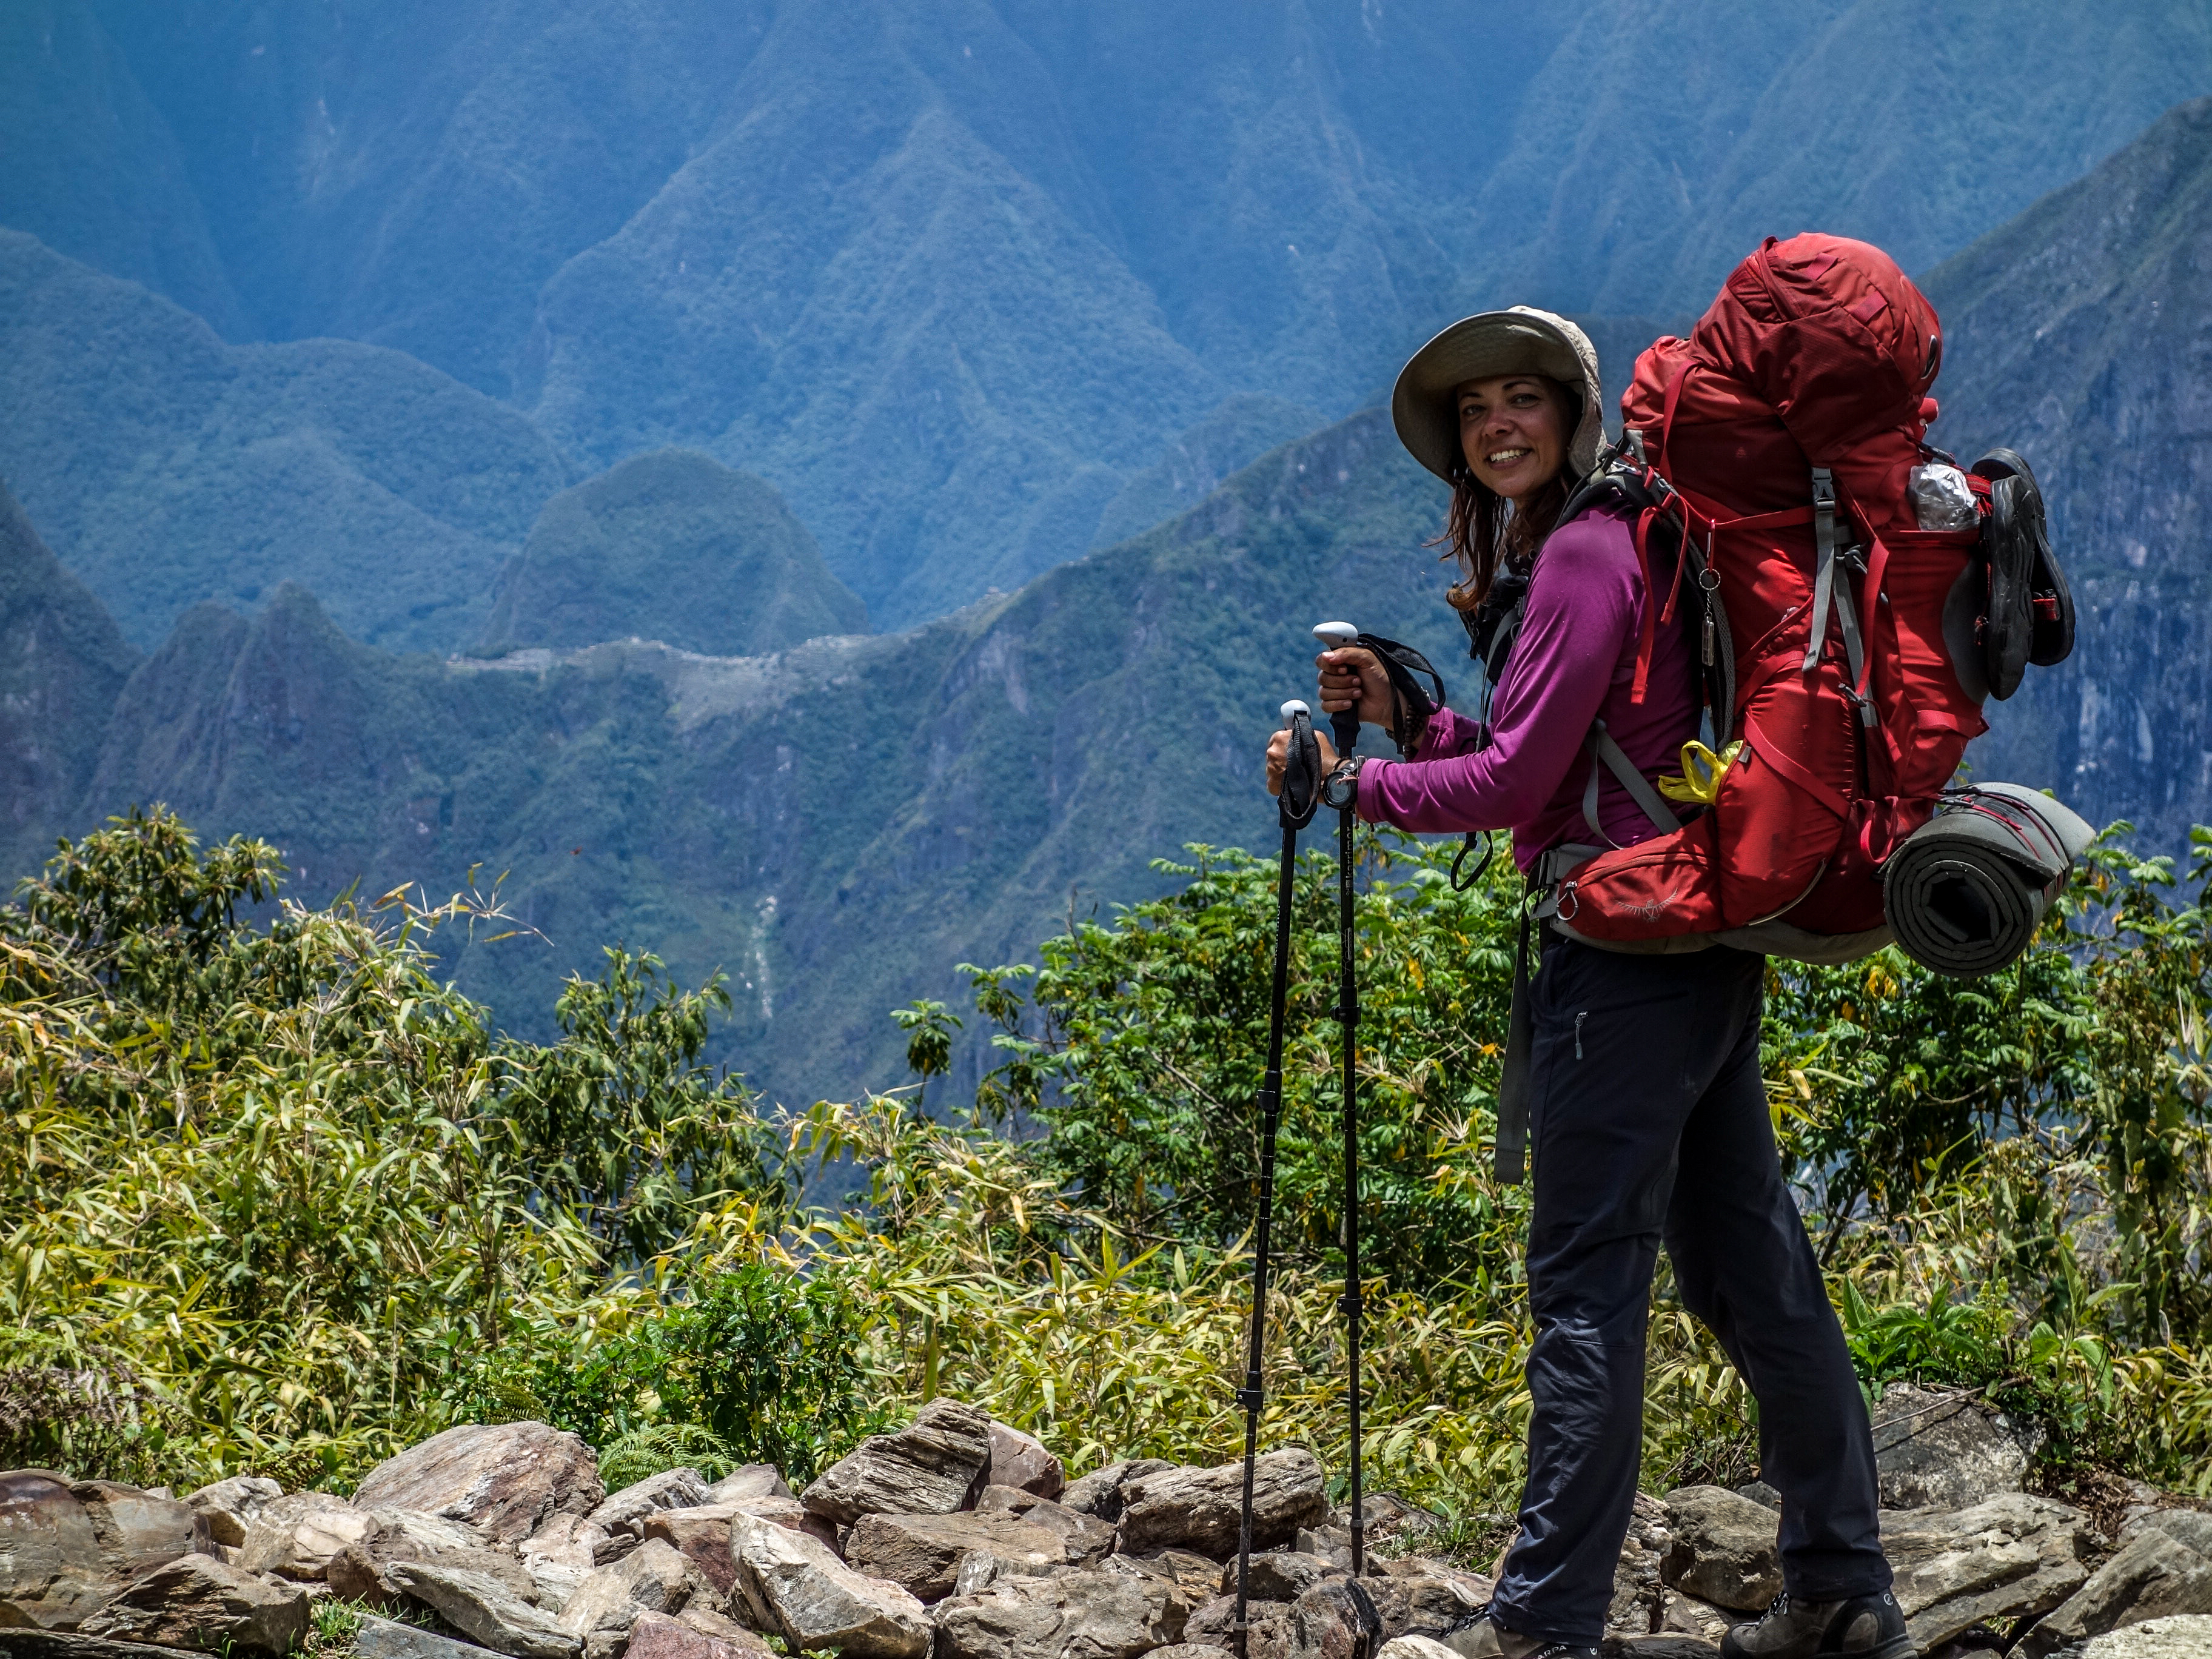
(2081, 334)
(670, 546)
(61, 662)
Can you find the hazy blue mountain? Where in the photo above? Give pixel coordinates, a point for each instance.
(62, 661)
(2081, 334)
(94, 169)
(835, 825)
(670, 546)
(952, 275)
(166, 467)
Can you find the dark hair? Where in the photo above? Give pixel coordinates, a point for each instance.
(1483, 530)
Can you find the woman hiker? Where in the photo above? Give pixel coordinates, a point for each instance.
(1648, 1117)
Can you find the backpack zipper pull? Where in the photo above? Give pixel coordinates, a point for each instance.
(1709, 636)
(1579, 1018)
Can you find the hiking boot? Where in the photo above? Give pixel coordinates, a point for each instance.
(1483, 1638)
(1864, 1627)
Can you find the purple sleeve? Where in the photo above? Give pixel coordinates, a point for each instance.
(1582, 610)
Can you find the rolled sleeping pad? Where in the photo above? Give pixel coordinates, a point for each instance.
(1966, 892)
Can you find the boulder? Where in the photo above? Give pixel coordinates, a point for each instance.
(229, 1506)
(624, 1514)
(657, 1636)
(1332, 1544)
(1199, 1575)
(296, 1537)
(2164, 1566)
(198, 1602)
(1267, 1624)
(933, 1465)
(794, 1585)
(2012, 1556)
(1099, 1492)
(712, 1621)
(751, 1480)
(1277, 1574)
(1199, 1510)
(701, 1536)
(481, 1608)
(1021, 1461)
(358, 1571)
(651, 1579)
(922, 1553)
(386, 1638)
(1639, 1590)
(72, 1547)
(1722, 1548)
(1438, 1598)
(564, 1551)
(1084, 1537)
(1687, 1617)
(2184, 1636)
(502, 1479)
(789, 1514)
(1936, 1450)
(1414, 1647)
(1339, 1618)
(1097, 1613)
(29, 1642)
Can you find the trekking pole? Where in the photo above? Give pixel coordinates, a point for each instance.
(1294, 810)
(1345, 725)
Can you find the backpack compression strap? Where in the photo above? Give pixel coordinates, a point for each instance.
(1606, 752)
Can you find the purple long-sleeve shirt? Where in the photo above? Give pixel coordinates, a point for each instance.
(1574, 663)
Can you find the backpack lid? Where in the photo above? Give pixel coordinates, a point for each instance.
(1520, 339)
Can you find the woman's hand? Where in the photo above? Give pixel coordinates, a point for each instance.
(1353, 678)
(1279, 757)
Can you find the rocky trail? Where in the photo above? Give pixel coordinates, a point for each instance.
(958, 1537)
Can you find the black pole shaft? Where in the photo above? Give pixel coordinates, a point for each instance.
(1271, 1101)
(1346, 725)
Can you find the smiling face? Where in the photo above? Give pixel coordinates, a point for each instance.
(1513, 431)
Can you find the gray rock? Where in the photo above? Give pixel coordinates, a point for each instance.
(1688, 1618)
(72, 1547)
(922, 1553)
(1760, 1493)
(1267, 1622)
(1638, 1592)
(503, 1480)
(1199, 1576)
(1723, 1548)
(29, 1642)
(1199, 1510)
(483, 1607)
(229, 1506)
(793, 1584)
(790, 1515)
(701, 1536)
(652, 1578)
(385, 1638)
(358, 1571)
(657, 1636)
(1190, 1650)
(198, 1602)
(1438, 1598)
(1935, 1450)
(933, 1465)
(751, 1480)
(623, 1513)
(2161, 1569)
(1277, 1574)
(710, 1621)
(564, 1551)
(1097, 1613)
(1021, 1461)
(1414, 1647)
(1099, 1492)
(1084, 1537)
(1342, 1616)
(2185, 1636)
(1332, 1544)
(297, 1536)
(2012, 1556)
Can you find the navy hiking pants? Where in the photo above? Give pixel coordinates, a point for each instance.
(1648, 1120)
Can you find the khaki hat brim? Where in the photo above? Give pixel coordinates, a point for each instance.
(1519, 340)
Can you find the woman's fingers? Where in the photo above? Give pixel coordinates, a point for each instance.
(1278, 755)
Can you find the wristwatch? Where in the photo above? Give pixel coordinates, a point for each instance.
(1340, 789)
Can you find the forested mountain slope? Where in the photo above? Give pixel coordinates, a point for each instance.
(950, 276)
(2081, 334)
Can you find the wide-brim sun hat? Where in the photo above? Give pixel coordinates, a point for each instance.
(1519, 340)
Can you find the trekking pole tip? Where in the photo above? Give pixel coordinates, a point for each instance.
(1336, 634)
(1292, 709)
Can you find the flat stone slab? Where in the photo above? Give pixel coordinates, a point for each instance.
(35, 1643)
(387, 1639)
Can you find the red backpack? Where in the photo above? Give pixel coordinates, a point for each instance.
(1846, 647)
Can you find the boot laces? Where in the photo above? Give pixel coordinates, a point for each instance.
(1777, 1608)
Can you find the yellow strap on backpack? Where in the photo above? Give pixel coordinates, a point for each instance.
(1699, 783)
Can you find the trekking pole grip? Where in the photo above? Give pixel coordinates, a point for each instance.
(1343, 725)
